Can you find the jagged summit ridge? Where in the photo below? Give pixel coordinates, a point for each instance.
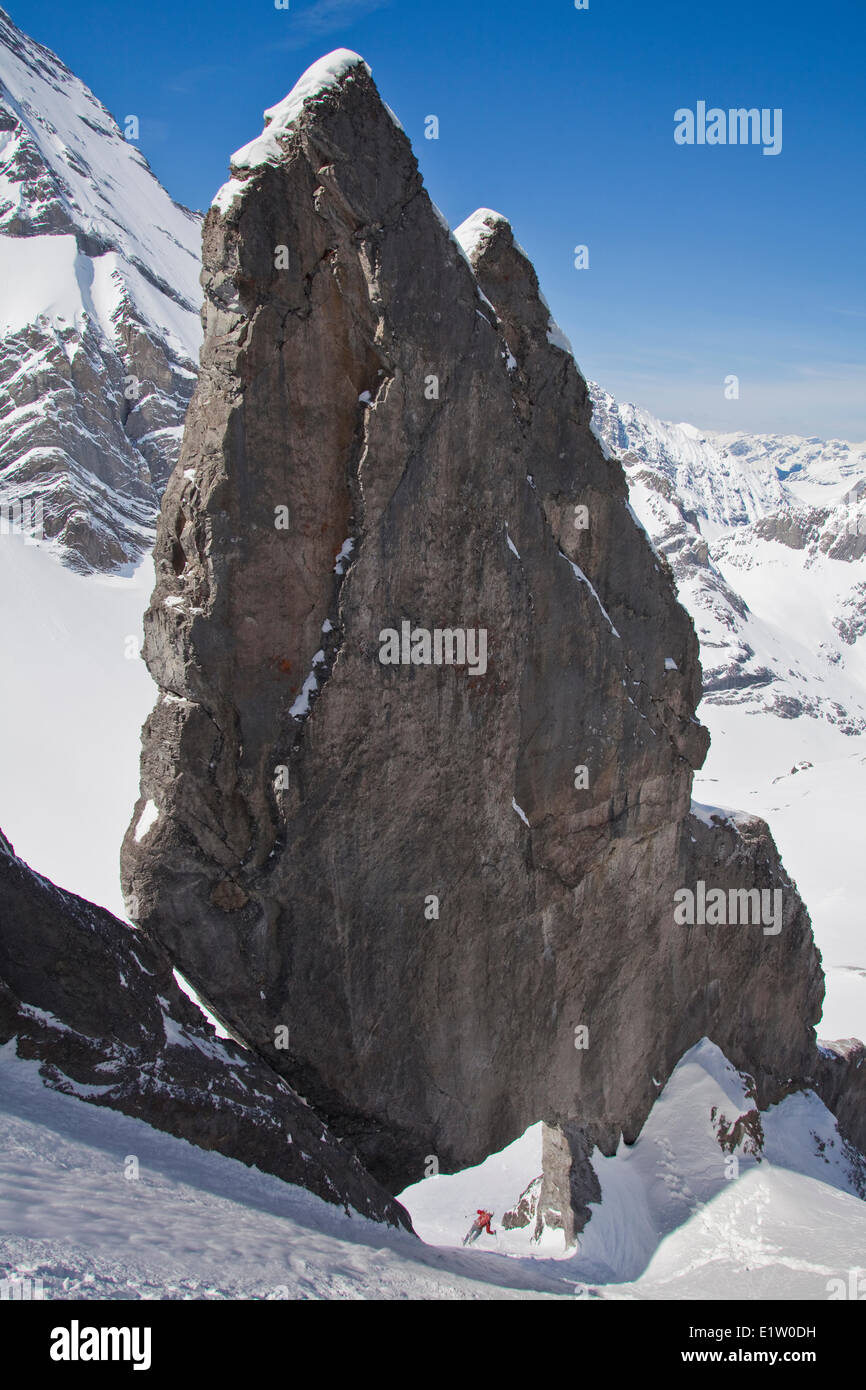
(478, 227)
(324, 73)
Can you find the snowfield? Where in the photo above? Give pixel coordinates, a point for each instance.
(76, 694)
(197, 1225)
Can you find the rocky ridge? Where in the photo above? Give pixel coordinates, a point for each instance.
(98, 1007)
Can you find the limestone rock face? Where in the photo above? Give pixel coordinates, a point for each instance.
(96, 1004)
(454, 883)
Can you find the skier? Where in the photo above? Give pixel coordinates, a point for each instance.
(481, 1223)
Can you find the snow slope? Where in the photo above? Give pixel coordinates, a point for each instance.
(672, 1223)
(73, 698)
(677, 1218)
(443, 1207)
(66, 163)
(196, 1225)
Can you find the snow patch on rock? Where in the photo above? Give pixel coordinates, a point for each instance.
(146, 821)
(325, 73)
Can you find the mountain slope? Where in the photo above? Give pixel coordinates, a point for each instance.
(202, 1226)
(99, 327)
(766, 536)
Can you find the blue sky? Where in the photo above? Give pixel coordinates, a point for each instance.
(705, 262)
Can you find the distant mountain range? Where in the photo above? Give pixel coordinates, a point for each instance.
(766, 536)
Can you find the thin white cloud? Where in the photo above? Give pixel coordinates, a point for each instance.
(307, 23)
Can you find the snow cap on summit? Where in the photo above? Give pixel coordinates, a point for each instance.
(265, 148)
(471, 236)
(323, 74)
(478, 228)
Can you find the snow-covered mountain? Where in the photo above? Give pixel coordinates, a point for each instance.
(766, 536)
(99, 325)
